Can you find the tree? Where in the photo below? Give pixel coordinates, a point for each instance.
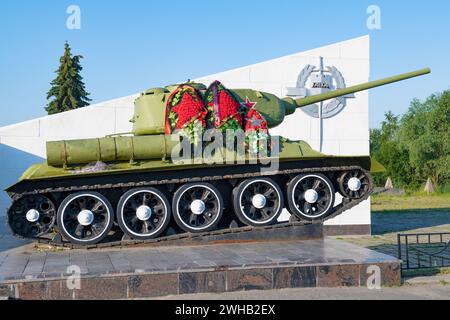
(67, 90)
(417, 147)
(425, 132)
(385, 147)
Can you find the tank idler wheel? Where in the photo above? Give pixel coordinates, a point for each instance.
(354, 184)
(311, 196)
(258, 202)
(85, 218)
(143, 213)
(32, 216)
(197, 207)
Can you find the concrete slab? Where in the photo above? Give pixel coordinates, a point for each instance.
(151, 272)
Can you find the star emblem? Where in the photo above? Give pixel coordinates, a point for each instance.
(249, 104)
(256, 122)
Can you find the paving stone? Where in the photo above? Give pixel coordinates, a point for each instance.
(32, 290)
(78, 258)
(3, 257)
(205, 263)
(390, 274)
(119, 262)
(202, 282)
(50, 290)
(142, 286)
(251, 279)
(103, 288)
(338, 276)
(35, 264)
(59, 290)
(298, 277)
(55, 269)
(7, 291)
(15, 264)
(99, 263)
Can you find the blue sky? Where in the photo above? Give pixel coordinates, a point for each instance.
(132, 45)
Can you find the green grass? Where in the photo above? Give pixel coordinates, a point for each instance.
(427, 273)
(411, 201)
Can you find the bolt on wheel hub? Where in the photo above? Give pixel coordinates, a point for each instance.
(144, 213)
(259, 201)
(354, 184)
(311, 196)
(85, 218)
(198, 207)
(32, 215)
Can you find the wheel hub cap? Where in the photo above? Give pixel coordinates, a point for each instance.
(198, 207)
(259, 201)
(32, 215)
(354, 184)
(85, 218)
(311, 196)
(144, 213)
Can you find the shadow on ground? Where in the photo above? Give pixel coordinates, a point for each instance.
(405, 221)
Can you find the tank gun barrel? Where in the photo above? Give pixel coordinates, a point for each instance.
(302, 102)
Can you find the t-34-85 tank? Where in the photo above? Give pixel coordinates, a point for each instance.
(197, 155)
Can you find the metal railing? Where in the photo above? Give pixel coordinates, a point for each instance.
(424, 250)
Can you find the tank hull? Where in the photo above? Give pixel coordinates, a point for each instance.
(112, 185)
(147, 185)
(158, 172)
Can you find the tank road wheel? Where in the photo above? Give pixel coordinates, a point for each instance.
(32, 216)
(311, 196)
(143, 213)
(354, 184)
(85, 218)
(258, 202)
(197, 207)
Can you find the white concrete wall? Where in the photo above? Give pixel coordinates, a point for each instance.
(346, 134)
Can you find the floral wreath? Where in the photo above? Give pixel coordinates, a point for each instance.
(223, 108)
(186, 113)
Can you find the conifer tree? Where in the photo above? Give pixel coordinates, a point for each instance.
(67, 90)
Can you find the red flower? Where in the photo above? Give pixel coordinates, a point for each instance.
(255, 122)
(228, 107)
(188, 110)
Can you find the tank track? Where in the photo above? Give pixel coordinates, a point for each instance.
(57, 240)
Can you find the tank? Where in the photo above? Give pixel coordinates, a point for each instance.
(198, 157)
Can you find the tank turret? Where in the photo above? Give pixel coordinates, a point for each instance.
(149, 140)
(150, 108)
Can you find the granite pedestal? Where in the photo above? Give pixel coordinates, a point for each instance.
(161, 271)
